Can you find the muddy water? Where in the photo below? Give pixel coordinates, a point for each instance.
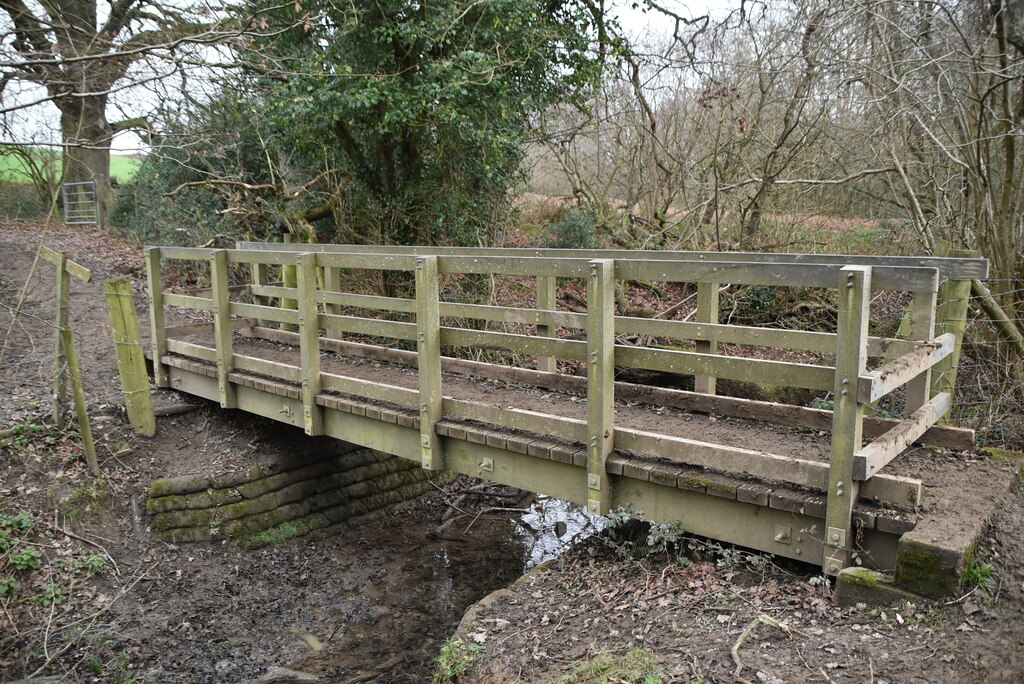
(401, 594)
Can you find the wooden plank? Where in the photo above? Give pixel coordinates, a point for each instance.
(340, 299)
(273, 369)
(77, 270)
(518, 419)
(547, 300)
(265, 313)
(188, 302)
(876, 384)
(517, 265)
(900, 279)
(268, 291)
(186, 253)
(428, 348)
(921, 328)
(373, 327)
(736, 367)
(63, 297)
(131, 362)
(600, 382)
(157, 326)
(847, 418)
(370, 390)
(707, 312)
(524, 344)
(884, 449)
(954, 268)
(726, 458)
(309, 343)
(221, 307)
(951, 317)
(377, 262)
(267, 257)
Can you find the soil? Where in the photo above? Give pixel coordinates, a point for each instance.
(375, 604)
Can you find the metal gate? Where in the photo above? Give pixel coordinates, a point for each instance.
(80, 203)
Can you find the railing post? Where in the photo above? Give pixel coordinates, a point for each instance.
(260, 278)
(922, 328)
(848, 414)
(428, 360)
(951, 317)
(60, 358)
(707, 312)
(600, 382)
(157, 331)
(547, 300)
(309, 343)
(222, 326)
(332, 283)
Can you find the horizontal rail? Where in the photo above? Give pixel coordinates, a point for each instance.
(272, 369)
(882, 450)
(266, 313)
(188, 302)
(949, 268)
(370, 390)
(189, 349)
(880, 382)
(373, 327)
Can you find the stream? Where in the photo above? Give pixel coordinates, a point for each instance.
(403, 593)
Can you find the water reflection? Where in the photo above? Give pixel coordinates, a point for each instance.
(551, 526)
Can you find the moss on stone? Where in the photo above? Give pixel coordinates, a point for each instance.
(1005, 455)
(862, 577)
(920, 569)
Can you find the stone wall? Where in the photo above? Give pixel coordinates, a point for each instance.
(270, 504)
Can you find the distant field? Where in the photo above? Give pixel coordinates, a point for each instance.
(13, 171)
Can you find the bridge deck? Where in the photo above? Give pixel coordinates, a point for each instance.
(773, 477)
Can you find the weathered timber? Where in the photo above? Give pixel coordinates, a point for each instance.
(921, 326)
(998, 316)
(847, 417)
(131, 361)
(309, 343)
(877, 383)
(222, 327)
(600, 382)
(428, 348)
(707, 312)
(547, 301)
(888, 446)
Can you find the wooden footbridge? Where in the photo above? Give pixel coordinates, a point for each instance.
(289, 332)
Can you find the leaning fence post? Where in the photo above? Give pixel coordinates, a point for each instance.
(707, 312)
(922, 328)
(848, 414)
(131, 363)
(428, 360)
(600, 382)
(309, 343)
(222, 327)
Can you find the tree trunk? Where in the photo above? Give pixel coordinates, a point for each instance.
(87, 137)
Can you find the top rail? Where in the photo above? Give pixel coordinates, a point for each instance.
(949, 268)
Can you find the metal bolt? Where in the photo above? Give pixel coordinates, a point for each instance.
(835, 537)
(839, 484)
(845, 392)
(839, 492)
(849, 284)
(846, 381)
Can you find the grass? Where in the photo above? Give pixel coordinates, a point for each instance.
(12, 170)
(455, 660)
(638, 666)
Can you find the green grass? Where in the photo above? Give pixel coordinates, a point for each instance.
(12, 169)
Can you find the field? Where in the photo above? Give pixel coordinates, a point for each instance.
(12, 169)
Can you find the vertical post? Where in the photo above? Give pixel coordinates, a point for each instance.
(222, 327)
(60, 359)
(332, 284)
(600, 382)
(922, 328)
(707, 312)
(288, 279)
(260, 277)
(131, 364)
(84, 428)
(547, 300)
(951, 317)
(428, 360)
(157, 331)
(309, 343)
(848, 415)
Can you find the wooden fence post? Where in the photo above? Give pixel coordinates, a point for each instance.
(848, 414)
(332, 283)
(222, 328)
(288, 279)
(157, 330)
(707, 312)
(951, 317)
(547, 299)
(922, 328)
(428, 360)
(60, 358)
(600, 382)
(309, 343)
(131, 362)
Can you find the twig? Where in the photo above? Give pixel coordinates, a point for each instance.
(106, 553)
(760, 619)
